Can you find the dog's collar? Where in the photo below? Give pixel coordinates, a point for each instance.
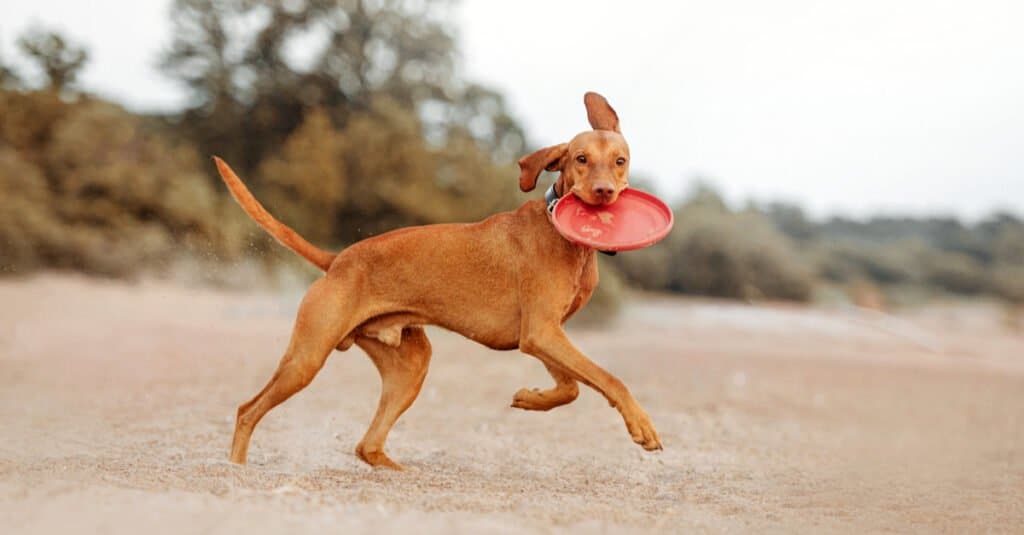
(551, 198)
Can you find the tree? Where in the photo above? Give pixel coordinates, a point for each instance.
(58, 59)
(368, 129)
(9, 78)
(250, 92)
(790, 219)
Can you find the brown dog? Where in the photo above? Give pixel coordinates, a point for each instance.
(507, 282)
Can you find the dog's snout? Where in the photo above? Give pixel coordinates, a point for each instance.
(603, 188)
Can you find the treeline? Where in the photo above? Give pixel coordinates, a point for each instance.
(374, 128)
(774, 251)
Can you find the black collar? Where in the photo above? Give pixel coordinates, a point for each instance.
(551, 199)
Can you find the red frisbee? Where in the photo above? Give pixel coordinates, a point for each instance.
(637, 219)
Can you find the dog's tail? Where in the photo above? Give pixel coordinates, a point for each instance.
(281, 232)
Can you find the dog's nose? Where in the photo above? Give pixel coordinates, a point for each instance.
(603, 188)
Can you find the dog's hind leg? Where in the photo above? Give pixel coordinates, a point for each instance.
(402, 370)
(565, 391)
(319, 327)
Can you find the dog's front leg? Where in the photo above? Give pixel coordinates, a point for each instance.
(549, 343)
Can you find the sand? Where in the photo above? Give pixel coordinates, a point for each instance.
(117, 405)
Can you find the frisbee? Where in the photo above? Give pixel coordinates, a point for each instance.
(636, 220)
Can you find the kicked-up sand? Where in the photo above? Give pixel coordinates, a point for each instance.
(117, 405)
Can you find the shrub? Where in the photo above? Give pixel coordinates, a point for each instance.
(109, 195)
(1008, 282)
(846, 261)
(28, 228)
(956, 272)
(719, 253)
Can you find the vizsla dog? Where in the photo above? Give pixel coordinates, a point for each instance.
(507, 282)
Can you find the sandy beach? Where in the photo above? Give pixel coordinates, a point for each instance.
(117, 404)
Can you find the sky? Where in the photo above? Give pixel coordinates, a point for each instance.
(852, 108)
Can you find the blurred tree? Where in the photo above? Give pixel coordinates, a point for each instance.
(59, 60)
(9, 77)
(790, 219)
(307, 182)
(378, 173)
(883, 263)
(1008, 282)
(350, 114)
(254, 65)
(1006, 235)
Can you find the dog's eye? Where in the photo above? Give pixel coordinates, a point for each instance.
(620, 161)
(581, 158)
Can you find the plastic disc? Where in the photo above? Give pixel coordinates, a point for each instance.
(637, 219)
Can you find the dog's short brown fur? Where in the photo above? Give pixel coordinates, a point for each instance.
(507, 282)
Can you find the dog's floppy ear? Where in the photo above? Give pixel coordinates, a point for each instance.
(530, 166)
(600, 113)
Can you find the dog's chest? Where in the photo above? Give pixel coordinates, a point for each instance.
(585, 279)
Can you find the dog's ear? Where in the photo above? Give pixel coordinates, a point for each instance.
(600, 113)
(530, 166)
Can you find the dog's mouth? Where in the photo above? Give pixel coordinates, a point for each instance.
(598, 200)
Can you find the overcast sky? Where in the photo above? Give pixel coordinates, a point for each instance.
(844, 107)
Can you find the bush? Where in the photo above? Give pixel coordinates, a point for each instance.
(737, 255)
(956, 272)
(28, 226)
(111, 196)
(846, 261)
(336, 185)
(1008, 282)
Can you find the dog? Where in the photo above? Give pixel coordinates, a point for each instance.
(507, 282)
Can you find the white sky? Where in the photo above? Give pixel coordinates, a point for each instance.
(912, 106)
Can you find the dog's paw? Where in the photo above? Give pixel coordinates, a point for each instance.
(377, 459)
(544, 400)
(643, 433)
(530, 400)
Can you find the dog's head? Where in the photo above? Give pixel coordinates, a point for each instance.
(594, 165)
